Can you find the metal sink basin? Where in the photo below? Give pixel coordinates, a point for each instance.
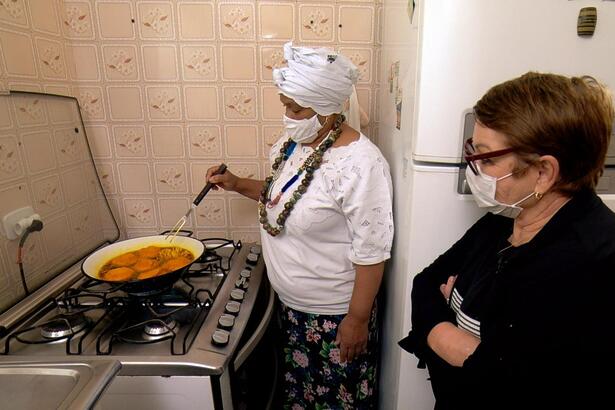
(55, 385)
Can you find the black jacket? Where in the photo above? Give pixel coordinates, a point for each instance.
(546, 311)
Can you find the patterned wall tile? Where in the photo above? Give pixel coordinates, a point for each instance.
(44, 17)
(14, 12)
(271, 134)
(171, 178)
(135, 178)
(238, 63)
(36, 147)
(271, 57)
(98, 139)
(155, 20)
(91, 178)
(242, 212)
(201, 103)
(74, 186)
(211, 233)
(245, 236)
(82, 222)
(84, 62)
(91, 103)
(362, 58)
(163, 103)
(171, 209)
(68, 146)
(198, 171)
(272, 108)
(29, 111)
(199, 63)
(237, 21)
(57, 227)
(167, 141)
(139, 213)
(77, 20)
(120, 62)
(166, 88)
(116, 20)
(211, 212)
(125, 103)
(18, 54)
(11, 164)
(6, 118)
(14, 196)
(159, 62)
(58, 89)
(239, 103)
(107, 177)
(317, 23)
(63, 113)
(245, 169)
(204, 141)
(24, 86)
(196, 21)
(350, 31)
(51, 59)
(277, 21)
(129, 141)
(241, 141)
(33, 256)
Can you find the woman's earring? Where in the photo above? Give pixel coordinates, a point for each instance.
(538, 195)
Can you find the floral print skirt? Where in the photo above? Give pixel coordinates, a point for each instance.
(312, 375)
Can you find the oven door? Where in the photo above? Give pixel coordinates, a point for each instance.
(57, 385)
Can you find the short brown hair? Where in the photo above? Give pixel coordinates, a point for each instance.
(569, 118)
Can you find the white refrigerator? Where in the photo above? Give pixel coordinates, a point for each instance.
(450, 53)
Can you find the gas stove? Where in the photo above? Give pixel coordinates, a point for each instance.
(194, 328)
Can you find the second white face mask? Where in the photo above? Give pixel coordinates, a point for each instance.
(483, 190)
(302, 131)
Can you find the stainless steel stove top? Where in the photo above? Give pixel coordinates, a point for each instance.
(192, 329)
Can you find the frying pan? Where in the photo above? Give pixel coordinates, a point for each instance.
(141, 287)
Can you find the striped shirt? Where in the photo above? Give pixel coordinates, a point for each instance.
(463, 320)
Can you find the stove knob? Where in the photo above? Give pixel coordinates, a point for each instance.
(232, 307)
(237, 294)
(252, 259)
(226, 322)
(255, 249)
(245, 273)
(220, 337)
(241, 283)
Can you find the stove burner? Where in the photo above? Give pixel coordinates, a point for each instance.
(209, 257)
(64, 326)
(157, 328)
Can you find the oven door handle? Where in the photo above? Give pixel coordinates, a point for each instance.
(247, 349)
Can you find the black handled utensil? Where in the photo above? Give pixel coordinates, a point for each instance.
(182, 221)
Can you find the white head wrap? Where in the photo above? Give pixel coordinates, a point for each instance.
(317, 78)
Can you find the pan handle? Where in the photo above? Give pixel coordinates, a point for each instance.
(207, 187)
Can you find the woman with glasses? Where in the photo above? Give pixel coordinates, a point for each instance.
(519, 313)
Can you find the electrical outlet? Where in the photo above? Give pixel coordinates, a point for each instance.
(16, 222)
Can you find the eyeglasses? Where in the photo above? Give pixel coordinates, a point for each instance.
(471, 155)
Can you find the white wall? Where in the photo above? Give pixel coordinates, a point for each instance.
(399, 43)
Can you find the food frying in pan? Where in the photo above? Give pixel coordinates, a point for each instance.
(145, 263)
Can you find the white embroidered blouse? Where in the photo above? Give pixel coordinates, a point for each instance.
(344, 218)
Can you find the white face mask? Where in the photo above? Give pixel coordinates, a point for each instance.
(302, 131)
(483, 189)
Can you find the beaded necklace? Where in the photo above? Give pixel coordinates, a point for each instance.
(311, 164)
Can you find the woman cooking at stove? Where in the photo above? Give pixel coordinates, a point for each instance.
(326, 229)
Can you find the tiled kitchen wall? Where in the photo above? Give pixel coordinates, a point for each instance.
(169, 88)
